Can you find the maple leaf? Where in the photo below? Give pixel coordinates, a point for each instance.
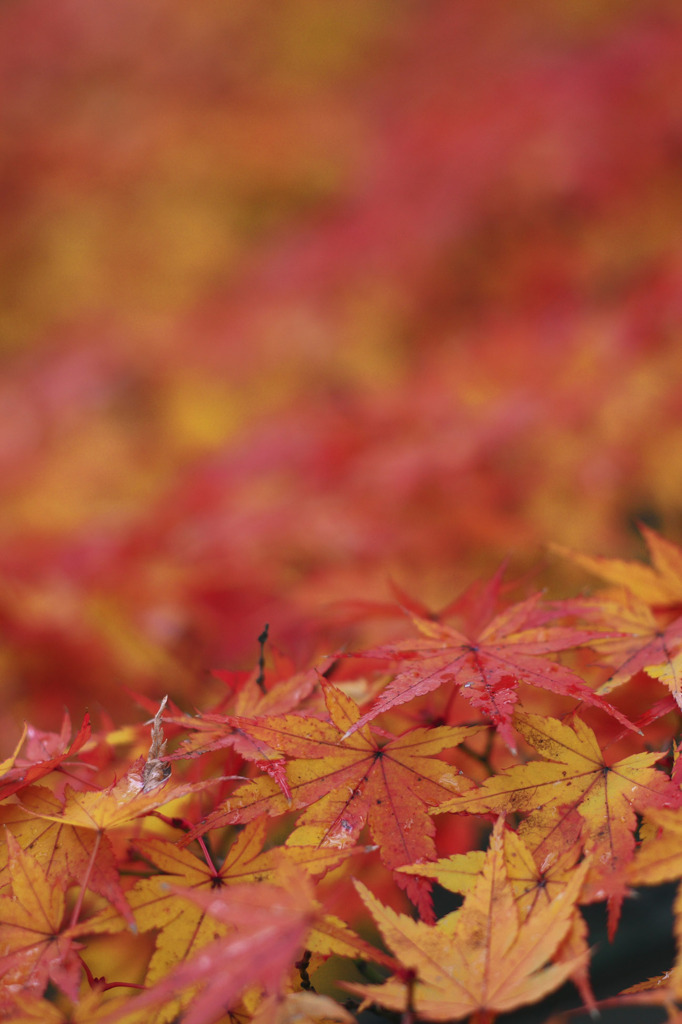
(260, 917)
(37, 947)
(643, 611)
(9, 762)
(575, 777)
(69, 853)
(46, 753)
(348, 781)
(301, 1008)
(94, 1006)
(183, 926)
(642, 639)
(657, 586)
(214, 730)
(458, 872)
(484, 957)
(142, 789)
(474, 606)
(487, 667)
(659, 857)
(132, 797)
(535, 880)
(114, 806)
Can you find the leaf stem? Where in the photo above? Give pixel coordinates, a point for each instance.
(84, 884)
(102, 984)
(409, 1016)
(186, 826)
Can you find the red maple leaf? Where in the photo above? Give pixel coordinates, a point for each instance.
(345, 782)
(46, 752)
(486, 667)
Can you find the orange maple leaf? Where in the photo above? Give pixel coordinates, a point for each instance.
(575, 777)
(536, 880)
(487, 666)
(659, 857)
(484, 957)
(659, 585)
(37, 943)
(268, 925)
(116, 805)
(641, 611)
(183, 926)
(642, 639)
(348, 781)
(103, 810)
(67, 852)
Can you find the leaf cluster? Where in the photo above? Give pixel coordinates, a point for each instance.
(270, 855)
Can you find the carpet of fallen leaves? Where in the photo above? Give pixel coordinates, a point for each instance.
(362, 321)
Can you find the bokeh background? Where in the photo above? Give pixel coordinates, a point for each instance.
(299, 297)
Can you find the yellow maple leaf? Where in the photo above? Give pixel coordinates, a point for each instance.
(116, 805)
(535, 880)
(37, 944)
(575, 780)
(184, 927)
(486, 957)
(658, 584)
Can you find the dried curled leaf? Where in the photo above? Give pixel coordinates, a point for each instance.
(156, 771)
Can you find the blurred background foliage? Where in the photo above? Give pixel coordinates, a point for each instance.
(298, 297)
